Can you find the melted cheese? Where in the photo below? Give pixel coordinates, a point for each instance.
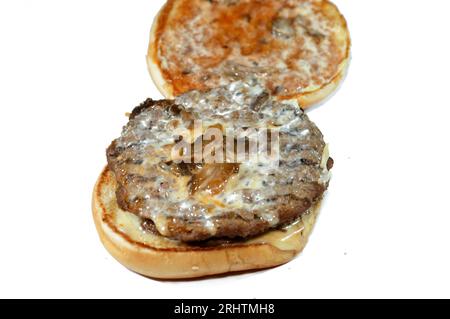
(286, 238)
(150, 136)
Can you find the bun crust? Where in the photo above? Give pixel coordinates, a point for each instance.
(310, 96)
(158, 257)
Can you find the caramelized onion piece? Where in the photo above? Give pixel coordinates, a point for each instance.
(212, 178)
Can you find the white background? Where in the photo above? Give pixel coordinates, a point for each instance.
(69, 70)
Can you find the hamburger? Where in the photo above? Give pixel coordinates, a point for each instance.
(211, 182)
(298, 49)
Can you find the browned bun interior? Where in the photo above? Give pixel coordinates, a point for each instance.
(311, 95)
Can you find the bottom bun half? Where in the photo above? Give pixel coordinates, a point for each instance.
(155, 256)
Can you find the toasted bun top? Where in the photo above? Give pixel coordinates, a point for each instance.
(295, 47)
(153, 255)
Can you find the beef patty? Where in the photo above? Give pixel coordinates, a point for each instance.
(191, 200)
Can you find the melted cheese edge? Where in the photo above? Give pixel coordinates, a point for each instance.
(288, 238)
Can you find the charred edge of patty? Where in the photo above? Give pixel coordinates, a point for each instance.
(239, 226)
(150, 104)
